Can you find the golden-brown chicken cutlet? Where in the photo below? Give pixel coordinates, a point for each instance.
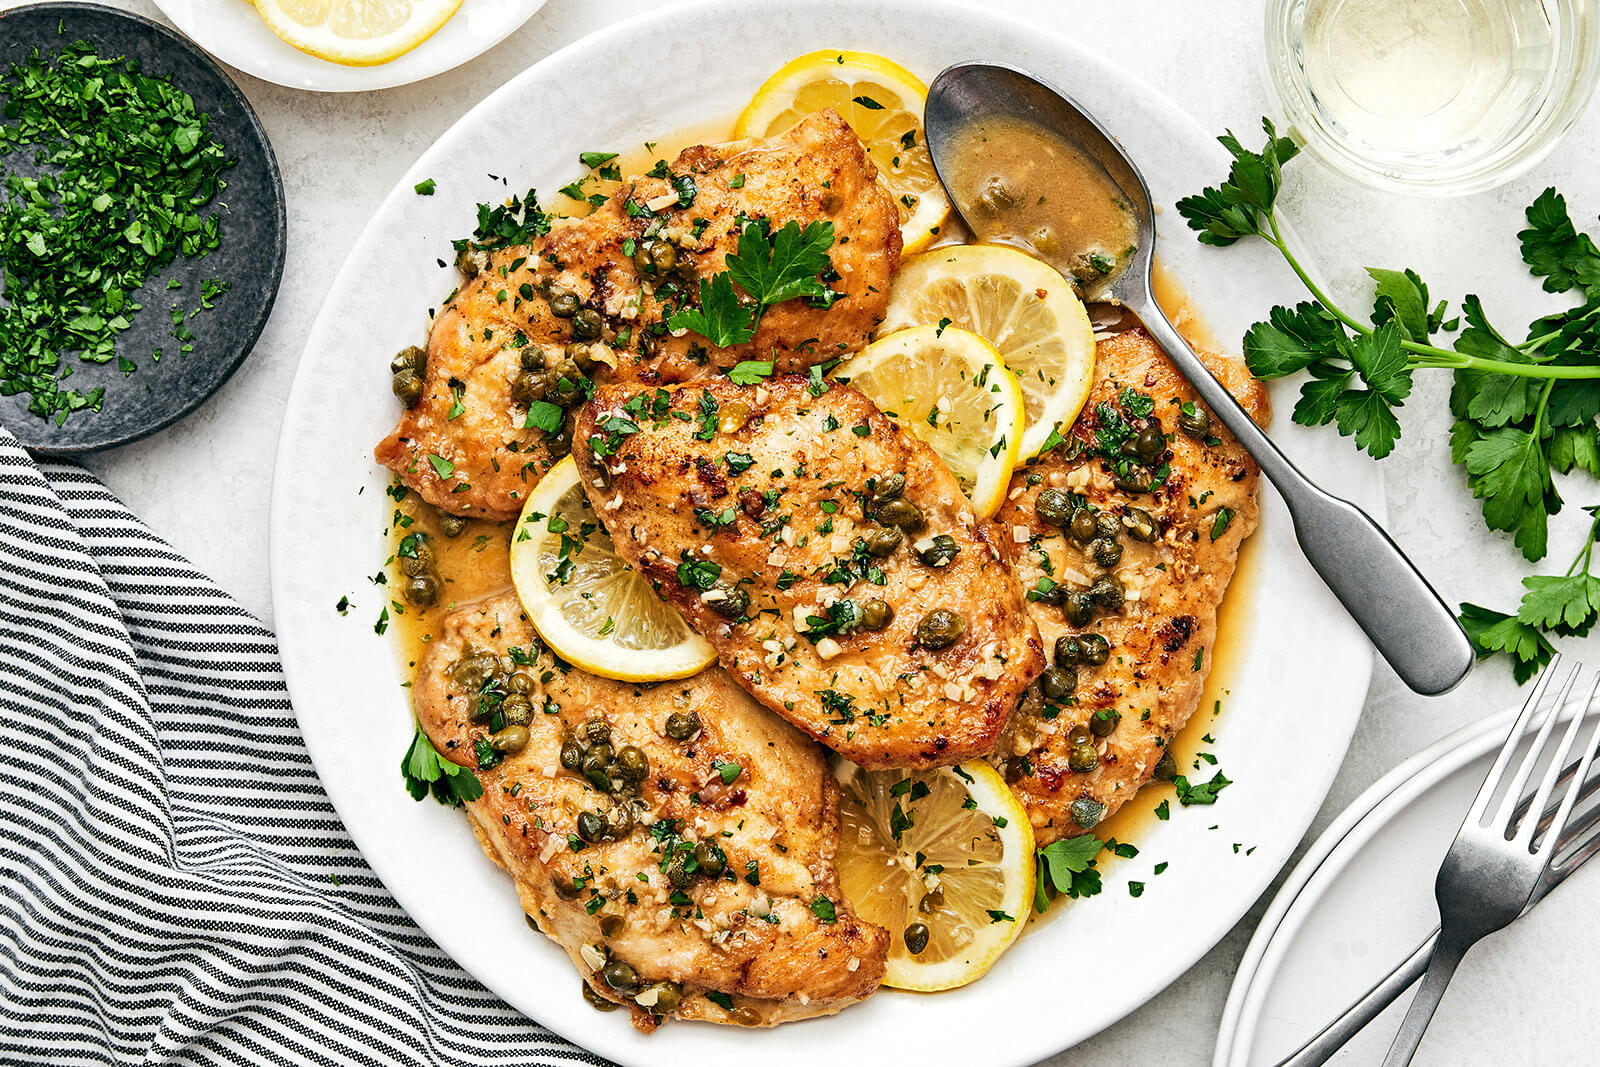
(829, 556)
(675, 839)
(534, 323)
(1127, 591)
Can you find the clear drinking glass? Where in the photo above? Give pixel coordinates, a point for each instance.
(1432, 96)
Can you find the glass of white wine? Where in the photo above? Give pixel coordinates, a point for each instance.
(1432, 96)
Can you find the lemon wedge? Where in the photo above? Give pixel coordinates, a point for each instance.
(587, 604)
(951, 388)
(357, 33)
(882, 102)
(943, 860)
(1026, 309)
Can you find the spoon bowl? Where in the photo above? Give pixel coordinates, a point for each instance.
(1389, 599)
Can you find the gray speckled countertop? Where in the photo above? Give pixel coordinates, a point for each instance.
(204, 484)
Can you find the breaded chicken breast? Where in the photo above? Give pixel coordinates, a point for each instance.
(675, 839)
(829, 556)
(535, 323)
(1126, 594)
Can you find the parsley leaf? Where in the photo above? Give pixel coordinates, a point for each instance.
(771, 268)
(750, 371)
(426, 771)
(722, 318)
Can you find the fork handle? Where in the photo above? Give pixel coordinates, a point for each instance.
(1442, 966)
(1338, 1033)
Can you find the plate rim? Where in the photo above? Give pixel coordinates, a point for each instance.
(1372, 483)
(280, 245)
(382, 74)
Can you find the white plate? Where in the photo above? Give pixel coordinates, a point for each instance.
(232, 31)
(1361, 900)
(1296, 693)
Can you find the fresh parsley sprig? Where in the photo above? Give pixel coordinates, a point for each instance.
(1524, 410)
(770, 267)
(426, 771)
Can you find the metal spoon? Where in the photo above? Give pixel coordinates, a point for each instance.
(1382, 590)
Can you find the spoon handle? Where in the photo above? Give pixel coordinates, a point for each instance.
(1383, 591)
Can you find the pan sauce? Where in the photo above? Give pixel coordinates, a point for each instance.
(1022, 185)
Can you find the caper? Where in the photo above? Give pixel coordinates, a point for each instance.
(1079, 735)
(422, 590)
(510, 739)
(619, 822)
(611, 925)
(1194, 421)
(596, 1001)
(519, 682)
(1096, 649)
(732, 416)
(883, 542)
(710, 858)
(1077, 608)
(902, 514)
(1054, 506)
(1132, 481)
(581, 358)
(677, 871)
(932, 900)
(1057, 683)
(531, 385)
(586, 324)
(598, 757)
(452, 525)
(669, 995)
(1087, 812)
(682, 725)
(563, 305)
(655, 258)
(916, 938)
(407, 387)
(591, 827)
(1105, 551)
(940, 553)
(1166, 767)
(733, 603)
(517, 710)
(571, 755)
(473, 669)
(621, 977)
(411, 566)
(597, 732)
(996, 196)
(1044, 241)
(633, 763)
(1107, 591)
(1142, 525)
(472, 261)
(1149, 445)
(411, 358)
(564, 889)
(940, 628)
(887, 488)
(1103, 723)
(1083, 758)
(876, 614)
(1068, 651)
(1106, 525)
(1082, 525)
(532, 358)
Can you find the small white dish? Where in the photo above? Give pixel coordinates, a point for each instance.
(1295, 693)
(1361, 899)
(232, 31)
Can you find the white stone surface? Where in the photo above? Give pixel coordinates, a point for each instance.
(204, 484)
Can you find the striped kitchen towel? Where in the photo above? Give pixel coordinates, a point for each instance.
(175, 887)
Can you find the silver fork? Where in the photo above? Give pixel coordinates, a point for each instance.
(1578, 844)
(1495, 865)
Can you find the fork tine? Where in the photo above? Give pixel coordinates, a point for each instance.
(1491, 781)
(1547, 785)
(1571, 797)
(1580, 840)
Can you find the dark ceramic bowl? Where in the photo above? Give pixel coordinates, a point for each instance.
(250, 257)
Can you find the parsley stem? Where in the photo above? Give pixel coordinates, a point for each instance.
(1433, 356)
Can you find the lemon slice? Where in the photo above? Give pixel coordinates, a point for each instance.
(357, 33)
(882, 102)
(949, 849)
(951, 388)
(589, 606)
(1024, 308)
